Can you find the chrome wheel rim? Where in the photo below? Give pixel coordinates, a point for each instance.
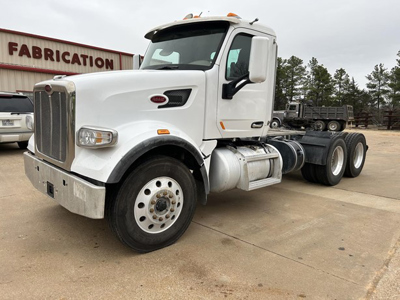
(358, 155)
(337, 161)
(158, 205)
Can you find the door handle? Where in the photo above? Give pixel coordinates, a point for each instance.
(258, 124)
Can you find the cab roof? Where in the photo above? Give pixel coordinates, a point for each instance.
(233, 20)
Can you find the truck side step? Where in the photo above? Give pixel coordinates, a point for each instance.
(262, 157)
(263, 183)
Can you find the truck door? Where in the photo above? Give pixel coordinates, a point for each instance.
(293, 110)
(246, 114)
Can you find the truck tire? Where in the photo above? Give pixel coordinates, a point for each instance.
(356, 153)
(154, 205)
(333, 126)
(275, 123)
(23, 145)
(319, 125)
(331, 173)
(308, 171)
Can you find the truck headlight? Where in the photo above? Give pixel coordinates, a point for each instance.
(96, 137)
(29, 122)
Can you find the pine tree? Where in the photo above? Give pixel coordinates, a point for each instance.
(280, 97)
(319, 84)
(378, 86)
(394, 85)
(356, 97)
(295, 73)
(341, 82)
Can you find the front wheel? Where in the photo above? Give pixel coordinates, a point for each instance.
(275, 123)
(154, 205)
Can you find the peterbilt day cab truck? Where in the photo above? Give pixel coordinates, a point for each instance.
(142, 147)
(300, 114)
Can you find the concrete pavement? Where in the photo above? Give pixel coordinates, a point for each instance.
(294, 240)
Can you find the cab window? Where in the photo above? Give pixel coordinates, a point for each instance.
(237, 63)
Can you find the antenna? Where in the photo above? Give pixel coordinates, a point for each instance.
(255, 20)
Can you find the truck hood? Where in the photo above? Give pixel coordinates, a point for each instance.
(109, 99)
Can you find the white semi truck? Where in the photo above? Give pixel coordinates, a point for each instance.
(142, 147)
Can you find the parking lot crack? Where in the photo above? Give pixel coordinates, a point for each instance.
(367, 194)
(381, 273)
(277, 254)
(6, 196)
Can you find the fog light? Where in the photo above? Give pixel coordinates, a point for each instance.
(96, 137)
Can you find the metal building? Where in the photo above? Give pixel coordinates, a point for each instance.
(26, 59)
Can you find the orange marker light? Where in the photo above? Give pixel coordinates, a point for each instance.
(233, 15)
(162, 131)
(99, 138)
(222, 125)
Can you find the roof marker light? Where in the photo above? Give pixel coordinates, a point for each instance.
(233, 15)
(163, 131)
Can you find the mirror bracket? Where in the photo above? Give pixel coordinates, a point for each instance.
(231, 88)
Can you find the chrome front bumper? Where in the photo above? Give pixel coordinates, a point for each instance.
(73, 193)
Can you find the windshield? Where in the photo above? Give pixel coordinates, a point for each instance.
(188, 47)
(8, 103)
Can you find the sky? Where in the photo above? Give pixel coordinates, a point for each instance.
(352, 34)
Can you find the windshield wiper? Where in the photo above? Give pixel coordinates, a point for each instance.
(21, 113)
(168, 68)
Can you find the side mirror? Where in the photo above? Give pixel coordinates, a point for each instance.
(137, 61)
(258, 59)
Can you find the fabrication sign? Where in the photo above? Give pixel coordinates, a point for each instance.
(48, 54)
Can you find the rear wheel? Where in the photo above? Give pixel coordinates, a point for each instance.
(356, 149)
(309, 173)
(333, 126)
(154, 205)
(319, 125)
(331, 173)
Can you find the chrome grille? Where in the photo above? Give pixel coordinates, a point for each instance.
(54, 125)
